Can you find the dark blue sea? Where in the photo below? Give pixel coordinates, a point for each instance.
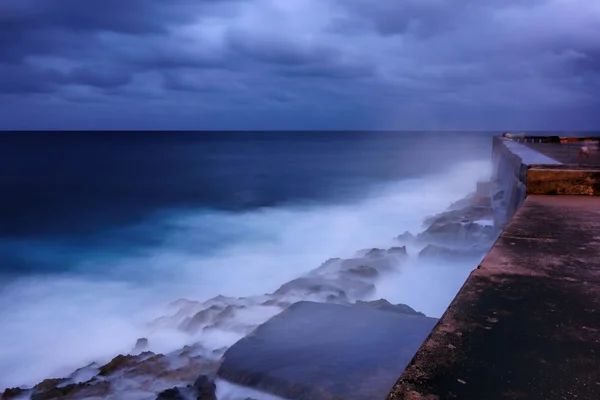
(98, 230)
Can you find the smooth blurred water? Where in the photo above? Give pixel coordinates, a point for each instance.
(82, 191)
(98, 231)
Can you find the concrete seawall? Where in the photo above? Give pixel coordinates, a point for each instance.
(526, 323)
(511, 161)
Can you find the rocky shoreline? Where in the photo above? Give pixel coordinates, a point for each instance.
(464, 232)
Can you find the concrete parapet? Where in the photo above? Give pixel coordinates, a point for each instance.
(511, 161)
(525, 325)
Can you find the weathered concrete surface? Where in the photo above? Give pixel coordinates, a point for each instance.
(511, 160)
(526, 324)
(566, 180)
(316, 351)
(567, 150)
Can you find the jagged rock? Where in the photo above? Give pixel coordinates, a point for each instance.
(467, 214)
(120, 362)
(498, 196)
(436, 251)
(48, 384)
(205, 388)
(484, 202)
(381, 264)
(171, 394)
(384, 305)
(329, 262)
(73, 391)
(220, 351)
(457, 233)
(483, 188)
(11, 393)
(406, 237)
(363, 270)
(276, 303)
(201, 318)
(440, 252)
(334, 289)
(375, 253)
(462, 203)
(140, 345)
(398, 251)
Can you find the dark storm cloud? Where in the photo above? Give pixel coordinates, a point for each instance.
(298, 60)
(51, 26)
(427, 17)
(397, 62)
(273, 50)
(16, 79)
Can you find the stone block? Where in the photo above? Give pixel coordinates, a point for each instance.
(317, 351)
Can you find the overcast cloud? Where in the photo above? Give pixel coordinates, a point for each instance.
(300, 64)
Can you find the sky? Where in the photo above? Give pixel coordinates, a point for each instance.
(300, 64)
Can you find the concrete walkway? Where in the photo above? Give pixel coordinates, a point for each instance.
(566, 153)
(526, 324)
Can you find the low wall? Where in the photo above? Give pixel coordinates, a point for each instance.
(524, 323)
(511, 161)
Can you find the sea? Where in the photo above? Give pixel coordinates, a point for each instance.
(99, 231)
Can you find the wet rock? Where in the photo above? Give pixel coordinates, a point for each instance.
(385, 305)
(498, 196)
(190, 350)
(462, 203)
(200, 319)
(483, 188)
(398, 251)
(171, 394)
(439, 252)
(406, 238)
(311, 286)
(317, 351)
(330, 262)
(375, 253)
(460, 233)
(224, 316)
(467, 214)
(140, 345)
(363, 271)
(483, 202)
(220, 351)
(48, 384)
(205, 388)
(134, 373)
(118, 363)
(84, 374)
(73, 391)
(276, 303)
(11, 393)
(381, 264)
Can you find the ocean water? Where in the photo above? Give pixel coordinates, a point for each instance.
(99, 231)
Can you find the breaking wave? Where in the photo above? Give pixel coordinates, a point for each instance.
(52, 324)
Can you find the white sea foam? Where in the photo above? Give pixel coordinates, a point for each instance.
(53, 325)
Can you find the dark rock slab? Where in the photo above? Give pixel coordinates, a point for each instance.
(385, 305)
(432, 251)
(526, 323)
(316, 351)
(464, 232)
